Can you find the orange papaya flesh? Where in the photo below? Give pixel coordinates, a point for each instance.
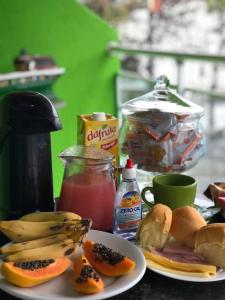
(106, 261)
(86, 280)
(28, 274)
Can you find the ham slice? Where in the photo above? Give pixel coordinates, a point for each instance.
(182, 250)
(188, 264)
(180, 254)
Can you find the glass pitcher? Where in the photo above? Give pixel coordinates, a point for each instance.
(88, 187)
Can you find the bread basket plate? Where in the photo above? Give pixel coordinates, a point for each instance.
(61, 288)
(220, 275)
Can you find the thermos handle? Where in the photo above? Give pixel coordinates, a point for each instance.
(4, 134)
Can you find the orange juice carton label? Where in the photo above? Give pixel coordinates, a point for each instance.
(101, 134)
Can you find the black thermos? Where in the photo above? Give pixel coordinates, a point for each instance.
(26, 120)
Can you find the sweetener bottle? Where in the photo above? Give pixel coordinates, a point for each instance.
(128, 204)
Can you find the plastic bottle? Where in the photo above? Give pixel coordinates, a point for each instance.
(128, 204)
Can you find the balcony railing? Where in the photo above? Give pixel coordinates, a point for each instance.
(180, 56)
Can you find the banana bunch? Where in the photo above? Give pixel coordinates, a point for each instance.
(43, 235)
(56, 250)
(21, 231)
(60, 216)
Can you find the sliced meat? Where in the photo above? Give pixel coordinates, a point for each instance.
(182, 250)
(181, 256)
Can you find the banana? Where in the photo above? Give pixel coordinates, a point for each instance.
(44, 216)
(21, 231)
(56, 250)
(16, 247)
(77, 237)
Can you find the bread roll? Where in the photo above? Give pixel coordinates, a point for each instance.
(154, 228)
(210, 243)
(185, 224)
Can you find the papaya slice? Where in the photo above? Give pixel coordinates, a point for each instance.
(106, 261)
(28, 274)
(86, 280)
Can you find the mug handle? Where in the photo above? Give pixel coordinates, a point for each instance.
(143, 192)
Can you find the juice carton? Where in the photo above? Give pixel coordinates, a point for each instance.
(99, 130)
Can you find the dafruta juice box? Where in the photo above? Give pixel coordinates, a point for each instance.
(101, 134)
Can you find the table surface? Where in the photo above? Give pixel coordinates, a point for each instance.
(156, 287)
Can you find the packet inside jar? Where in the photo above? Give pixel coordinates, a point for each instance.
(99, 130)
(162, 141)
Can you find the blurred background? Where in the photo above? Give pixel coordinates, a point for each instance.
(186, 41)
(108, 52)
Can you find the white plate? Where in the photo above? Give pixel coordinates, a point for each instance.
(219, 276)
(61, 288)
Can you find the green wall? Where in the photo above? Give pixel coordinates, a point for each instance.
(77, 39)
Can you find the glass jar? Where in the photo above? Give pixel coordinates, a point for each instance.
(162, 131)
(88, 187)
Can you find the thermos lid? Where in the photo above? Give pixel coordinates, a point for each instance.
(29, 112)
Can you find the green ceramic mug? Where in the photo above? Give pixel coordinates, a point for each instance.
(173, 190)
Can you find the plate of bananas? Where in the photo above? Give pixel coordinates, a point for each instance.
(38, 263)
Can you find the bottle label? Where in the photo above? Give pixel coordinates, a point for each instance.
(100, 134)
(128, 213)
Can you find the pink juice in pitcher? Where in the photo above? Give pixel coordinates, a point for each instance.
(91, 196)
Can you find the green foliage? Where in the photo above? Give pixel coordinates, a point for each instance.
(216, 4)
(113, 11)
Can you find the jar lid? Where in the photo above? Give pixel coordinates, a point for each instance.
(92, 155)
(163, 99)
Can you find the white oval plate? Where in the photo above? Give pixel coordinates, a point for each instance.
(61, 288)
(219, 276)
